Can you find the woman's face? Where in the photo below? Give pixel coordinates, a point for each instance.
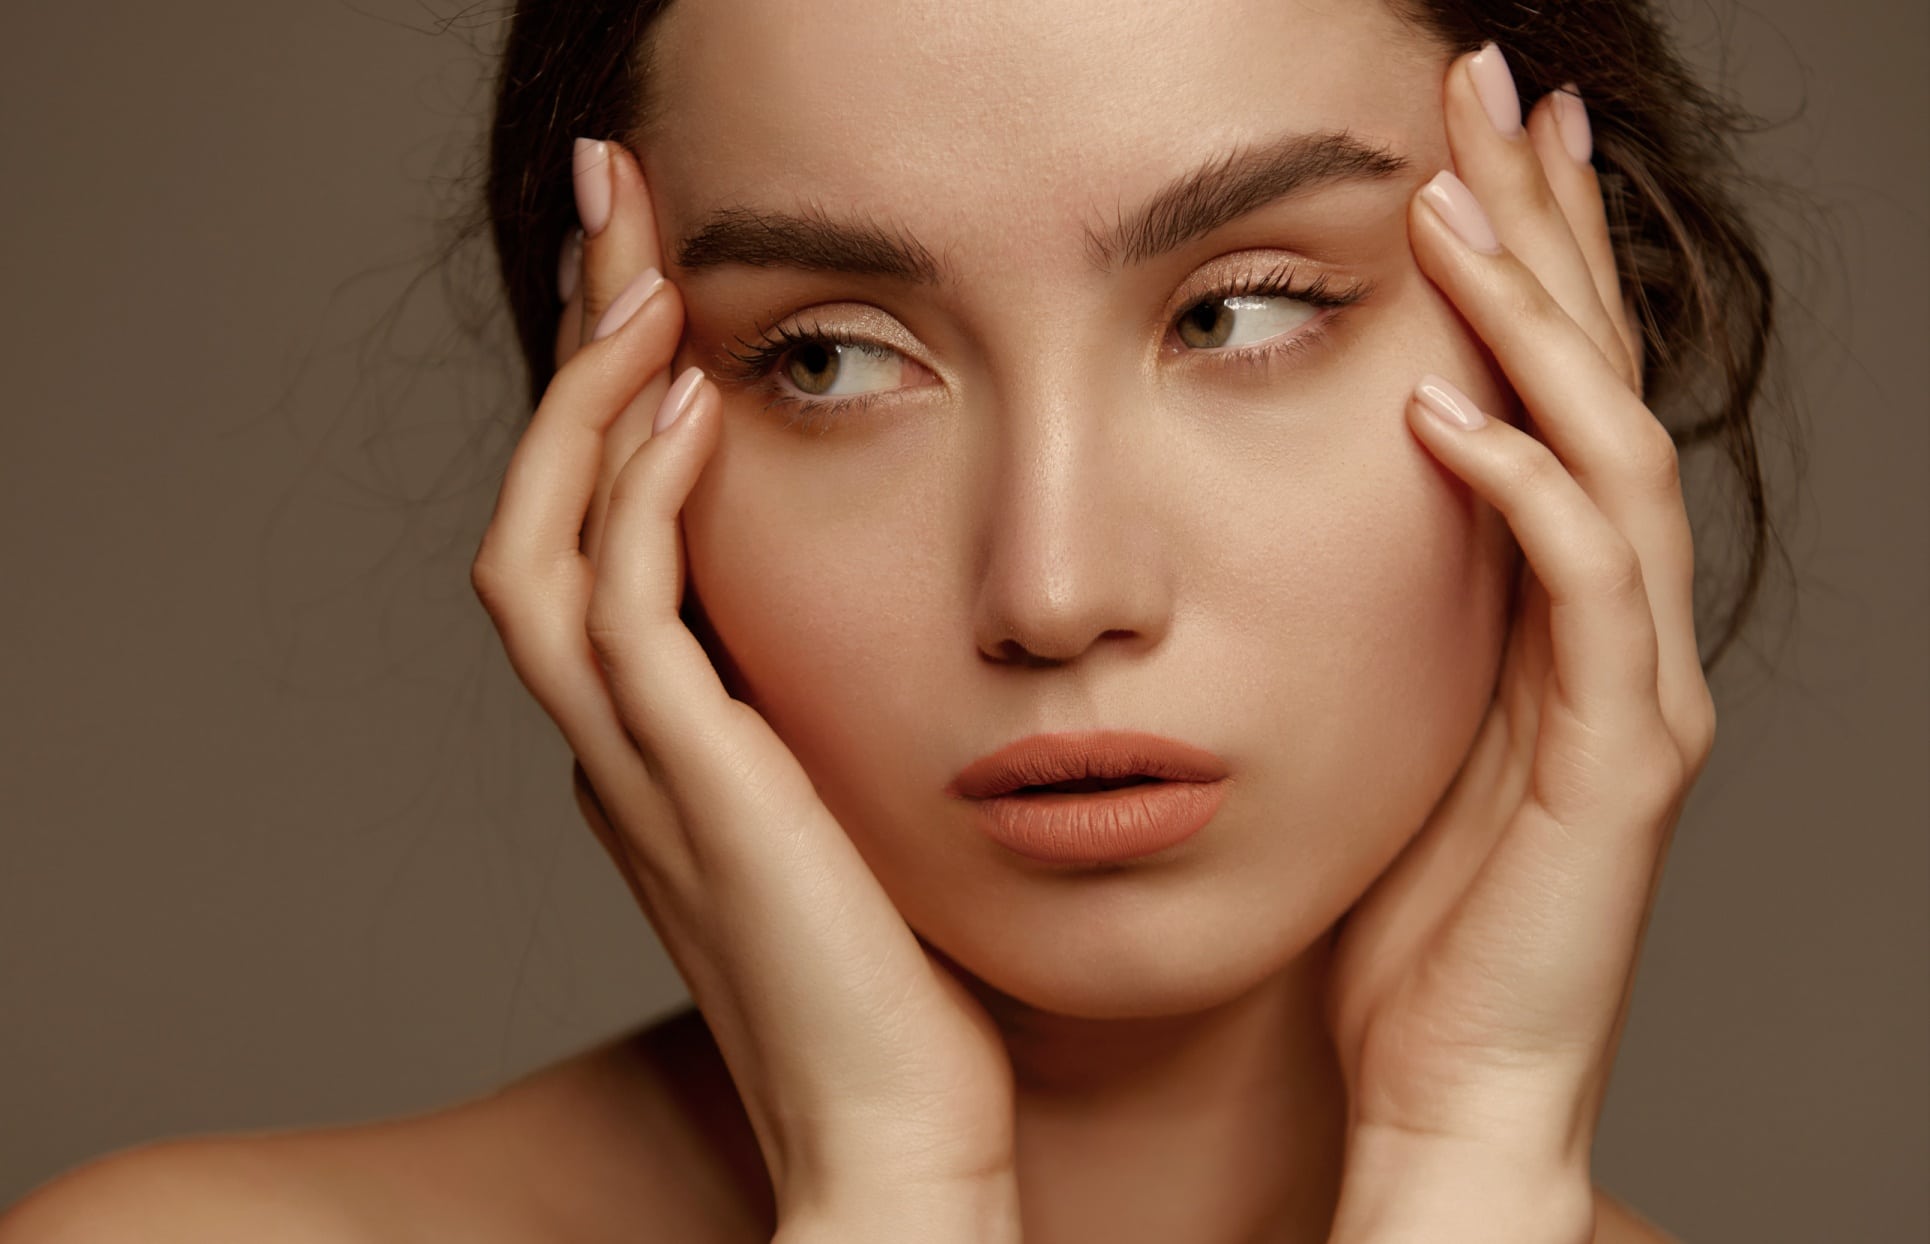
(1084, 491)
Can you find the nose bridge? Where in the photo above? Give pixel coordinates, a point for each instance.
(1072, 542)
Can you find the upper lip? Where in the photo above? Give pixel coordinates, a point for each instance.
(1042, 759)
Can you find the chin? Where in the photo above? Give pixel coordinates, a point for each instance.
(1117, 950)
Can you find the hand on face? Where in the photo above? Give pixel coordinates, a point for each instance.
(868, 1071)
(1479, 987)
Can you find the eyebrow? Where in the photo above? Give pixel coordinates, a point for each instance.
(1197, 202)
(1243, 180)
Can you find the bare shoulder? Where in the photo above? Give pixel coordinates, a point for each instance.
(1615, 1223)
(198, 1189)
(626, 1141)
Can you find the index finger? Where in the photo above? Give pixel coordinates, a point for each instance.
(547, 487)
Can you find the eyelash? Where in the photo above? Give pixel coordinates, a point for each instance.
(754, 364)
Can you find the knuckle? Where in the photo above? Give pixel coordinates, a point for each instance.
(607, 632)
(1534, 469)
(1620, 571)
(1658, 777)
(1527, 303)
(490, 582)
(1698, 729)
(617, 640)
(1655, 458)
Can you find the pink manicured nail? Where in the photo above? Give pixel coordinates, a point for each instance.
(569, 268)
(1450, 196)
(678, 399)
(1449, 403)
(593, 189)
(628, 303)
(1571, 122)
(1495, 85)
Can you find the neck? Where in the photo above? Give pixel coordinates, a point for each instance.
(1219, 1126)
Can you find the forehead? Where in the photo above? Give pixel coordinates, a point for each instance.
(1042, 117)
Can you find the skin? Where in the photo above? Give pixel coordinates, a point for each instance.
(1184, 1038)
(1163, 1023)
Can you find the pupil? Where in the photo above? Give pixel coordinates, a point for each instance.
(1213, 319)
(823, 359)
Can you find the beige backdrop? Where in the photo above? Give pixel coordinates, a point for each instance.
(285, 842)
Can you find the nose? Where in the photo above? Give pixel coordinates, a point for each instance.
(1077, 527)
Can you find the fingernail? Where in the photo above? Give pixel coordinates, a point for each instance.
(1495, 85)
(627, 303)
(569, 268)
(592, 168)
(1571, 121)
(1448, 403)
(1450, 197)
(678, 399)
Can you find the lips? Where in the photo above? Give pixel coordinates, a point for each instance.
(1090, 760)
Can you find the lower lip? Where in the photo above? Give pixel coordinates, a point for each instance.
(1101, 827)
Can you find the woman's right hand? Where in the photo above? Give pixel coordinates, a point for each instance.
(874, 1080)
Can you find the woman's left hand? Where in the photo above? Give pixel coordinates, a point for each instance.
(1480, 986)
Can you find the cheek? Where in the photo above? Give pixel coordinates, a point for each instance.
(812, 603)
(1381, 625)
(1380, 638)
(1339, 604)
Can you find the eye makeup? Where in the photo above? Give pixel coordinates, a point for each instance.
(761, 364)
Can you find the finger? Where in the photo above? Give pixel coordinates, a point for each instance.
(569, 288)
(591, 805)
(665, 688)
(529, 571)
(1612, 444)
(762, 835)
(1558, 127)
(1493, 156)
(611, 193)
(1600, 628)
(569, 330)
(619, 224)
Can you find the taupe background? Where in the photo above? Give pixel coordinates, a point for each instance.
(285, 843)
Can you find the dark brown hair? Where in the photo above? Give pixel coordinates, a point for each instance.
(1665, 148)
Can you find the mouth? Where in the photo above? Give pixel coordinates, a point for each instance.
(1084, 763)
(1082, 786)
(1096, 819)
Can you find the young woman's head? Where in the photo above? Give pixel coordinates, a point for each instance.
(1064, 351)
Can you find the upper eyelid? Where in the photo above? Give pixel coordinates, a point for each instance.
(1210, 280)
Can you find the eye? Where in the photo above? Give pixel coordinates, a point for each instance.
(1263, 310)
(1241, 319)
(820, 373)
(823, 375)
(817, 367)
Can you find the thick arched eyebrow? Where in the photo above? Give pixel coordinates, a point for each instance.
(812, 241)
(1225, 188)
(1214, 193)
